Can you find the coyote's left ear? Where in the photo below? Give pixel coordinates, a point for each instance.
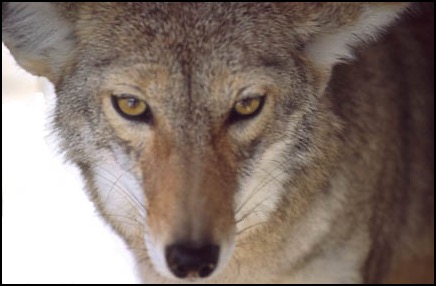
(335, 28)
(40, 35)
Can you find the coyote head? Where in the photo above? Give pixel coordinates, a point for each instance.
(195, 125)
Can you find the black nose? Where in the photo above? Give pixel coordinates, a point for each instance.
(194, 261)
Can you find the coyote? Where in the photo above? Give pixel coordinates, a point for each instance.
(247, 142)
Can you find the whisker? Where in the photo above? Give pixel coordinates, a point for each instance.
(266, 181)
(256, 208)
(123, 191)
(252, 211)
(132, 220)
(256, 190)
(249, 227)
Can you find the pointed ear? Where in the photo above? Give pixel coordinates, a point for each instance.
(342, 26)
(39, 35)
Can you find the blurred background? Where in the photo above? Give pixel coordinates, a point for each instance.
(50, 231)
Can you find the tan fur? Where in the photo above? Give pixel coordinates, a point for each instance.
(332, 182)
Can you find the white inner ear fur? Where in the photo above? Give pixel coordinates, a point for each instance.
(331, 47)
(36, 31)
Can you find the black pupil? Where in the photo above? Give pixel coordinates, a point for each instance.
(132, 102)
(246, 102)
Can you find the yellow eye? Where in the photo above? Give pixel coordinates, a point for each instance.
(131, 108)
(248, 106)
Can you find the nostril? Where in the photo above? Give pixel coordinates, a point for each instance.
(179, 270)
(206, 270)
(190, 260)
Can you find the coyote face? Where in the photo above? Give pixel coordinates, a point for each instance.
(204, 131)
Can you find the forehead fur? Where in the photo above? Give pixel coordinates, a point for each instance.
(155, 32)
(47, 37)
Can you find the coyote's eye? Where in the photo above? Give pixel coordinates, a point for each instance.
(131, 108)
(247, 107)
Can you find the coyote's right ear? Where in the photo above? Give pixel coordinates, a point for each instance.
(39, 35)
(337, 28)
(329, 31)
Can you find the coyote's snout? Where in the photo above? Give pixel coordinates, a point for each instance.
(247, 142)
(190, 206)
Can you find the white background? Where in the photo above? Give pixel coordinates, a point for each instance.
(50, 231)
